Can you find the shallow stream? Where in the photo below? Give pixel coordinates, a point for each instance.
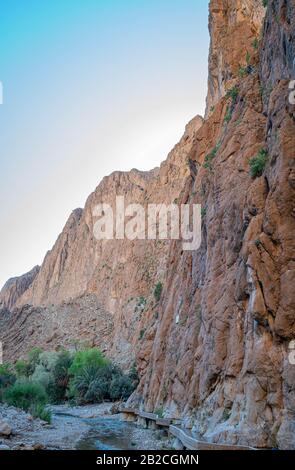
(105, 433)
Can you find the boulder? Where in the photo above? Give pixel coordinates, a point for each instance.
(5, 429)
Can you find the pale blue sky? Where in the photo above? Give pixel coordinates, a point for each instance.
(90, 87)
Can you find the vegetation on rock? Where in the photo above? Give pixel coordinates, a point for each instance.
(158, 291)
(257, 163)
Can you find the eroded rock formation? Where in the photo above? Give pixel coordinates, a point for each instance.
(235, 27)
(220, 352)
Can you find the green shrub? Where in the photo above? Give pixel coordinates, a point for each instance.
(228, 114)
(87, 386)
(48, 359)
(43, 373)
(91, 374)
(58, 385)
(255, 44)
(257, 164)
(23, 368)
(7, 379)
(40, 411)
(33, 357)
(141, 334)
(25, 394)
(88, 357)
(158, 291)
(41, 376)
(140, 306)
(160, 412)
(121, 387)
(210, 157)
(49, 369)
(243, 71)
(226, 414)
(233, 93)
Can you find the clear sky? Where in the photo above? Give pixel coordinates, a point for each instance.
(90, 86)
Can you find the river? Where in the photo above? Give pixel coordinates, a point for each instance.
(109, 432)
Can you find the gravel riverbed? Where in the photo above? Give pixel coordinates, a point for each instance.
(76, 427)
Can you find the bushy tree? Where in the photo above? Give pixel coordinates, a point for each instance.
(41, 375)
(87, 385)
(23, 368)
(88, 357)
(100, 380)
(33, 357)
(121, 387)
(7, 379)
(25, 393)
(48, 359)
(30, 397)
(59, 383)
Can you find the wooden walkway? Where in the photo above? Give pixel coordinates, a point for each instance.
(189, 442)
(183, 436)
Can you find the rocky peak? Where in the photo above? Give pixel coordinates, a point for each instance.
(55, 262)
(15, 288)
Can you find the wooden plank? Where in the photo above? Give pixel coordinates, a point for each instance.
(193, 444)
(128, 410)
(144, 414)
(176, 421)
(164, 421)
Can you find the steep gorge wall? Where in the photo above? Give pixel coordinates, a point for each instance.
(220, 351)
(234, 27)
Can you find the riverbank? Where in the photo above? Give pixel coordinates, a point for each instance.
(92, 427)
(28, 433)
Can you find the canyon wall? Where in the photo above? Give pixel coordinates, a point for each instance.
(213, 349)
(234, 27)
(220, 351)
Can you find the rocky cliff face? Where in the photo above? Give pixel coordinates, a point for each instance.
(214, 349)
(220, 351)
(15, 288)
(234, 26)
(80, 321)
